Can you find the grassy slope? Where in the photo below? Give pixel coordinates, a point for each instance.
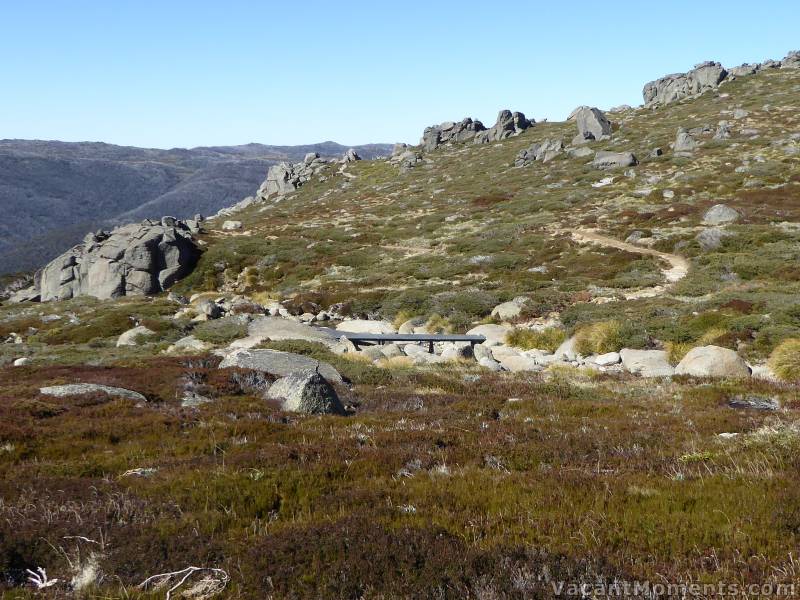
(437, 485)
(459, 234)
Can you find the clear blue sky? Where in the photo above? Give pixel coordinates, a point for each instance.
(201, 72)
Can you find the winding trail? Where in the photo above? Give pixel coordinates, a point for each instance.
(678, 265)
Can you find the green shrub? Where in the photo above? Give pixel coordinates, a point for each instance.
(548, 339)
(222, 331)
(785, 360)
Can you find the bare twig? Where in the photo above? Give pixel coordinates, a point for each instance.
(219, 577)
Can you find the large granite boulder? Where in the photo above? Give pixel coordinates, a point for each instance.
(671, 88)
(278, 363)
(720, 214)
(592, 124)
(494, 334)
(647, 363)
(712, 361)
(306, 392)
(366, 326)
(132, 260)
(277, 329)
(614, 160)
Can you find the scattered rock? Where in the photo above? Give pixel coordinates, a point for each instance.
(308, 392)
(21, 362)
(490, 363)
(208, 309)
(544, 151)
(712, 361)
(566, 350)
(711, 239)
(132, 336)
(684, 142)
(614, 160)
(754, 402)
(188, 344)
(740, 113)
(723, 131)
(509, 310)
(519, 362)
(720, 214)
(78, 389)
(606, 360)
(647, 363)
(231, 225)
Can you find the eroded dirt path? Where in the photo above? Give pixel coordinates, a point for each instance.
(678, 265)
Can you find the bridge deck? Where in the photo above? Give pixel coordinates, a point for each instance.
(430, 338)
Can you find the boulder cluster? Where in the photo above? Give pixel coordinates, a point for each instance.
(132, 260)
(706, 76)
(592, 125)
(285, 178)
(508, 124)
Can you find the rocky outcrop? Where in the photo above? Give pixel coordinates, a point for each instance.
(285, 178)
(132, 260)
(450, 132)
(508, 124)
(705, 76)
(684, 142)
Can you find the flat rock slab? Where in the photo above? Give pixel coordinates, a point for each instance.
(278, 363)
(278, 329)
(77, 389)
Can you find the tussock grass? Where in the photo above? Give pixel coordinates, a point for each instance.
(528, 339)
(785, 360)
(600, 338)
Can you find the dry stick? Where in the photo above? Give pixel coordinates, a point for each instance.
(187, 572)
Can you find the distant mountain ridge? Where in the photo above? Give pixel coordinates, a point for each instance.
(52, 193)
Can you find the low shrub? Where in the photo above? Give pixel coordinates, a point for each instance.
(785, 360)
(222, 331)
(548, 339)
